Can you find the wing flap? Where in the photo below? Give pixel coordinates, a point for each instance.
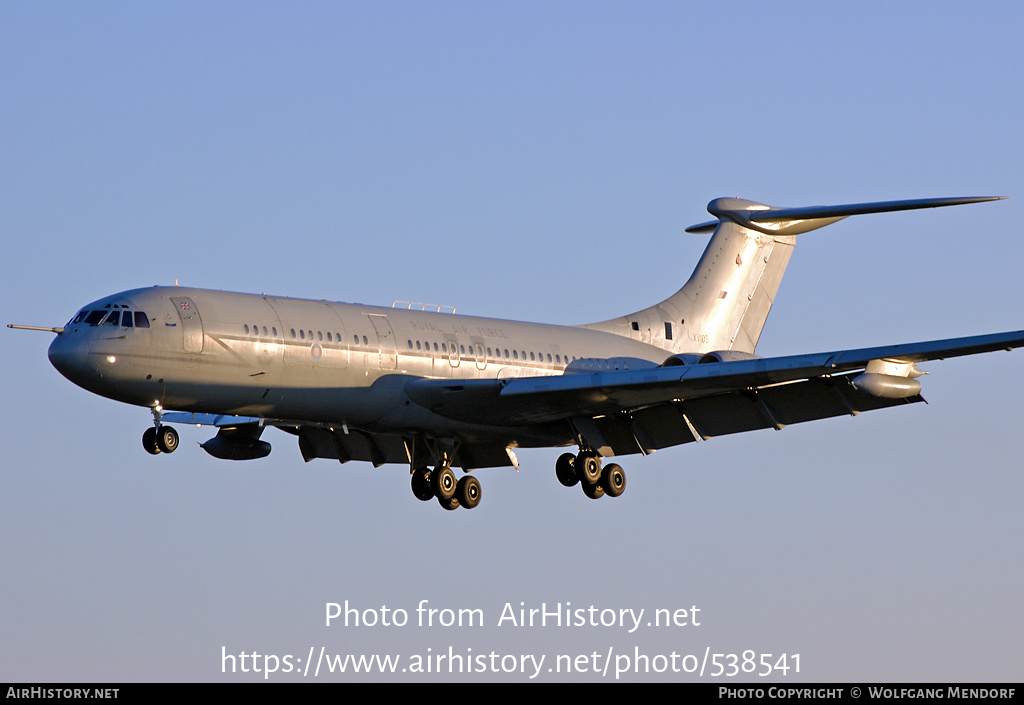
(675, 423)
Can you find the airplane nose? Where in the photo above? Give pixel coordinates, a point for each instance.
(69, 356)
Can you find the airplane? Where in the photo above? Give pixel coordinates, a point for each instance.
(435, 391)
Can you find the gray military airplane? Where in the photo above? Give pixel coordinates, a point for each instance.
(435, 390)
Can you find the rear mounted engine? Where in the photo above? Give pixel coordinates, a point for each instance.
(716, 356)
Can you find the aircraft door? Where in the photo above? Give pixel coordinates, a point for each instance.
(385, 340)
(453, 353)
(191, 323)
(312, 333)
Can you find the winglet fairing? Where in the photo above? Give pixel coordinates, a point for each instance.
(437, 391)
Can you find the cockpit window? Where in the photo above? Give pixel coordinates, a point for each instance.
(126, 319)
(80, 317)
(141, 320)
(113, 319)
(95, 317)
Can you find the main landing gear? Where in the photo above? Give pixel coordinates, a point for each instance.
(440, 483)
(585, 469)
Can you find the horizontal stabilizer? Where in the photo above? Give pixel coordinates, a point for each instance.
(776, 214)
(792, 221)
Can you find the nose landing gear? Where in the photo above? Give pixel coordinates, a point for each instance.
(160, 439)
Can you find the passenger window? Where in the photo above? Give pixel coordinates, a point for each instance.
(141, 320)
(246, 328)
(365, 341)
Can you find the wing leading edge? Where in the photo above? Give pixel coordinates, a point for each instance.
(636, 388)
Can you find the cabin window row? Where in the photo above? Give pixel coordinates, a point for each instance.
(420, 345)
(303, 334)
(492, 353)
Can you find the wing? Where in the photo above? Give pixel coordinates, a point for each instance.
(622, 412)
(617, 412)
(238, 438)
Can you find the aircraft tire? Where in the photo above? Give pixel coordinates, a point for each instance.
(565, 470)
(167, 439)
(149, 441)
(450, 504)
(468, 492)
(588, 468)
(592, 491)
(443, 482)
(421, 484)
(613, 480)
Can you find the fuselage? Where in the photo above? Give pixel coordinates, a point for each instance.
(437, 391)
(315, 361)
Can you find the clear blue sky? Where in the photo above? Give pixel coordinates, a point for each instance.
(534, 161)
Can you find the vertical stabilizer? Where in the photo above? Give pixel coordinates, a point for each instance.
(726, 301)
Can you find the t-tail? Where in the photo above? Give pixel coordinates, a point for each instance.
(726, 301)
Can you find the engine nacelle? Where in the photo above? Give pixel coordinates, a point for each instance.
(234, 446)
(682, 359)
(727, 356)
(886, 386)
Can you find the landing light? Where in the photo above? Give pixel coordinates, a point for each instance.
(111, 359)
